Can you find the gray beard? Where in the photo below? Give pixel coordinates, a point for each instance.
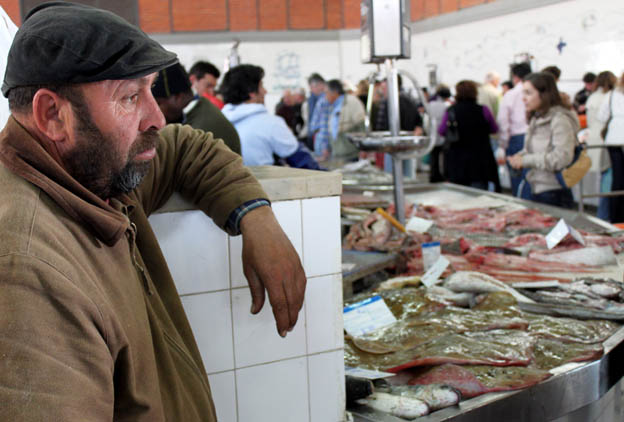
(93, 161)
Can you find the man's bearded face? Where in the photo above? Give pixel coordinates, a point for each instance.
(98, 165)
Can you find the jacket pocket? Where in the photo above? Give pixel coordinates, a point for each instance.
(187, 359)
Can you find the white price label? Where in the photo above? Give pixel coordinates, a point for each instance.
(560, 231)
(418, 225)
(431, 252)
(366, 316)
(432, 276)
(366, 373)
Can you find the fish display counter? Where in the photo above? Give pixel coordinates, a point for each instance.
(590, 390)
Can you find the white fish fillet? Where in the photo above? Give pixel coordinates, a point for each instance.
(476, 282)
(593, 255)
(403, 407)
(443, 294)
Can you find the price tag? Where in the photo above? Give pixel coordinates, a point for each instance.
(430, 253)
(366, 316)
(368, 193)
(366, 373)
(559, 232)
(432, 276)
(418, 225)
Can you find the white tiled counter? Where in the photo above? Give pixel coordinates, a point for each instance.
(255, 375)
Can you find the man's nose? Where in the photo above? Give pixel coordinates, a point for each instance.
(152, 115)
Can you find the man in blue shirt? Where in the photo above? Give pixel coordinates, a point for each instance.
(262, 135)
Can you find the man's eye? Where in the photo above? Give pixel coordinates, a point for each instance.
(132, 99)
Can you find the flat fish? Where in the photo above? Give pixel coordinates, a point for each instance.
(570, 330)
(403, 407)
(592, 256)
(476, 282)
(437, 396)
(412, 332)
(475, 380)
(497, 347)
(549, 354)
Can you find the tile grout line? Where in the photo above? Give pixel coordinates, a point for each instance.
(338, 349)
(247, 287)
(305, 310)
(229, 239)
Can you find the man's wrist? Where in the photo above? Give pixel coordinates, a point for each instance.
(233, 224)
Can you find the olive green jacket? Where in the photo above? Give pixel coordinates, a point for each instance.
(206, 116)
(92, 328)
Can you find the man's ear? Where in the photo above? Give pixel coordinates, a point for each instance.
(51, 114)
(193, 79)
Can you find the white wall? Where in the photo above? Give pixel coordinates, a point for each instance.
(592, 30)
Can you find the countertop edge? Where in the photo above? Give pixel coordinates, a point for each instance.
(280, 184)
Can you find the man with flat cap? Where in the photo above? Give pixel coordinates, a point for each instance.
(178, 104)
(92, 325)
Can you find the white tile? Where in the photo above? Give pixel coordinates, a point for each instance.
(321, 236)
(223, 389)
(211, 320)
(323, 307)
(236, 264)
(255, 336)
(273, 392)
(327, 387)
(195, 249)
(288, 215)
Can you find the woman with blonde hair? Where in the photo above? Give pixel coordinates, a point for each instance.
(549, 142)
(611, 114)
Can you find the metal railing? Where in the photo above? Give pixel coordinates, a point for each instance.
(582, 197)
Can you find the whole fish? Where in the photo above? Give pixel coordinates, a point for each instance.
(444, 295)
(437, 396)
(592, 256)
(400, 406)
(475, 282)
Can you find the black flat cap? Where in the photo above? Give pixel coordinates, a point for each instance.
(62, 42)
(171, 81)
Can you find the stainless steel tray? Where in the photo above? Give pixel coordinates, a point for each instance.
(385, 142)
(575, 391)
(574, 387)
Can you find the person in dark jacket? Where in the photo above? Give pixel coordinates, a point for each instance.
(172, 91)
(469, 161)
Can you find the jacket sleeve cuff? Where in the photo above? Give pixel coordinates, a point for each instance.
(232, 225)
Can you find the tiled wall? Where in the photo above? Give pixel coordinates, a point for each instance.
(255, 375)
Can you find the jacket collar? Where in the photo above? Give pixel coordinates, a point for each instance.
(26, 157)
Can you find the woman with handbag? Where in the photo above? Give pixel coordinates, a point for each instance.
(549, 142)
(466, 126)
(612, 115)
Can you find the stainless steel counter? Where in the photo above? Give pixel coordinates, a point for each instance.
(576, 391)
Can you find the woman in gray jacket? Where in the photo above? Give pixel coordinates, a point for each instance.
(549, 142)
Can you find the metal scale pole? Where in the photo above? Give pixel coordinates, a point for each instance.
(394, 125)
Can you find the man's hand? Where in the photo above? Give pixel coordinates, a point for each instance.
(270, 262)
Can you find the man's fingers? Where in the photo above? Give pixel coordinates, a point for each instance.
(279, 304)
(257, 292)
(295, 292)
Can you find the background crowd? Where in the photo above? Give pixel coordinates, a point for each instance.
(524, 124)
